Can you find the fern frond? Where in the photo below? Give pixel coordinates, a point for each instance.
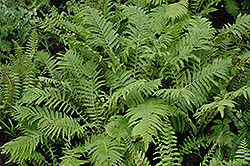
(193, 143)
(138, 156)
(210, 154)
(156, 2)
(71, 157)
(86, 82)
(146, 119)
(23, 147)
(105, 7)
(167, 147)
(141, 159)
(139, 33)
(176, 10)
(243, 153)
(208, 111)
(138, 3)
(104, 150)
(32, 44)
(240, 28)
(195, 44)
(136, 91)
(117, 127)
(51, 123)
(101, 32)
(201, 7)
(232, 7)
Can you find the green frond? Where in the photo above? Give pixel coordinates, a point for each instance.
(134, 149)
(72, 64)
(208, 111)
(72, 157)
(167, 147)
(104, 150)
(195, 45)
(138, 3)
(48, 63)
(201, 7)
(193, 143)
(243, 152)
(176, 10)
(146, 119)
(56, 23)
(23, 147)
(158, 21)
(100, 31)
(240, 28)
(32, 44)
(141, 159)
(51, 123)
(194, 87)
(11, 87)
(18, 49)
(157, 2)
(105, 7)
(208, 157)
(232, 7)
(139, 33)
(117, 79)
(117, 127)
(134, 92)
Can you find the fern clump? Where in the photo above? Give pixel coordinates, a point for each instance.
(140, 83)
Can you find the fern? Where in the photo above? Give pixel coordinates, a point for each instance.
(104, 150)
(71, 157)
(146, 119)
(52, 124)
(194, 143)
(167, 148)
(32, 45)
(100, 31)
(139, 33)
(240, 28)
(232, 7)
(176, 10)
(22, 148)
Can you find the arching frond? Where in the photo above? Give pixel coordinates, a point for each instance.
(104, 150)
(176, 10)
(32, 44)
(240, 28)
(146, 119)
(167, 147)
(22, 148)
(72, 157)
(232, 7)
(100, 31)
(50, 123)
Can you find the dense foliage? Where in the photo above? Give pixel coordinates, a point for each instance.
(129, 77)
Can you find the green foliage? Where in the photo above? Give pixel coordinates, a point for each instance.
(16, 23)
(122, 83)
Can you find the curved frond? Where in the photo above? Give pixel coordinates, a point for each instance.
(104, 150)
(101, 32)
(146, 119)
(240, 28)
(176, 10)
(22, 148)
(51, 123)
(167, 147)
